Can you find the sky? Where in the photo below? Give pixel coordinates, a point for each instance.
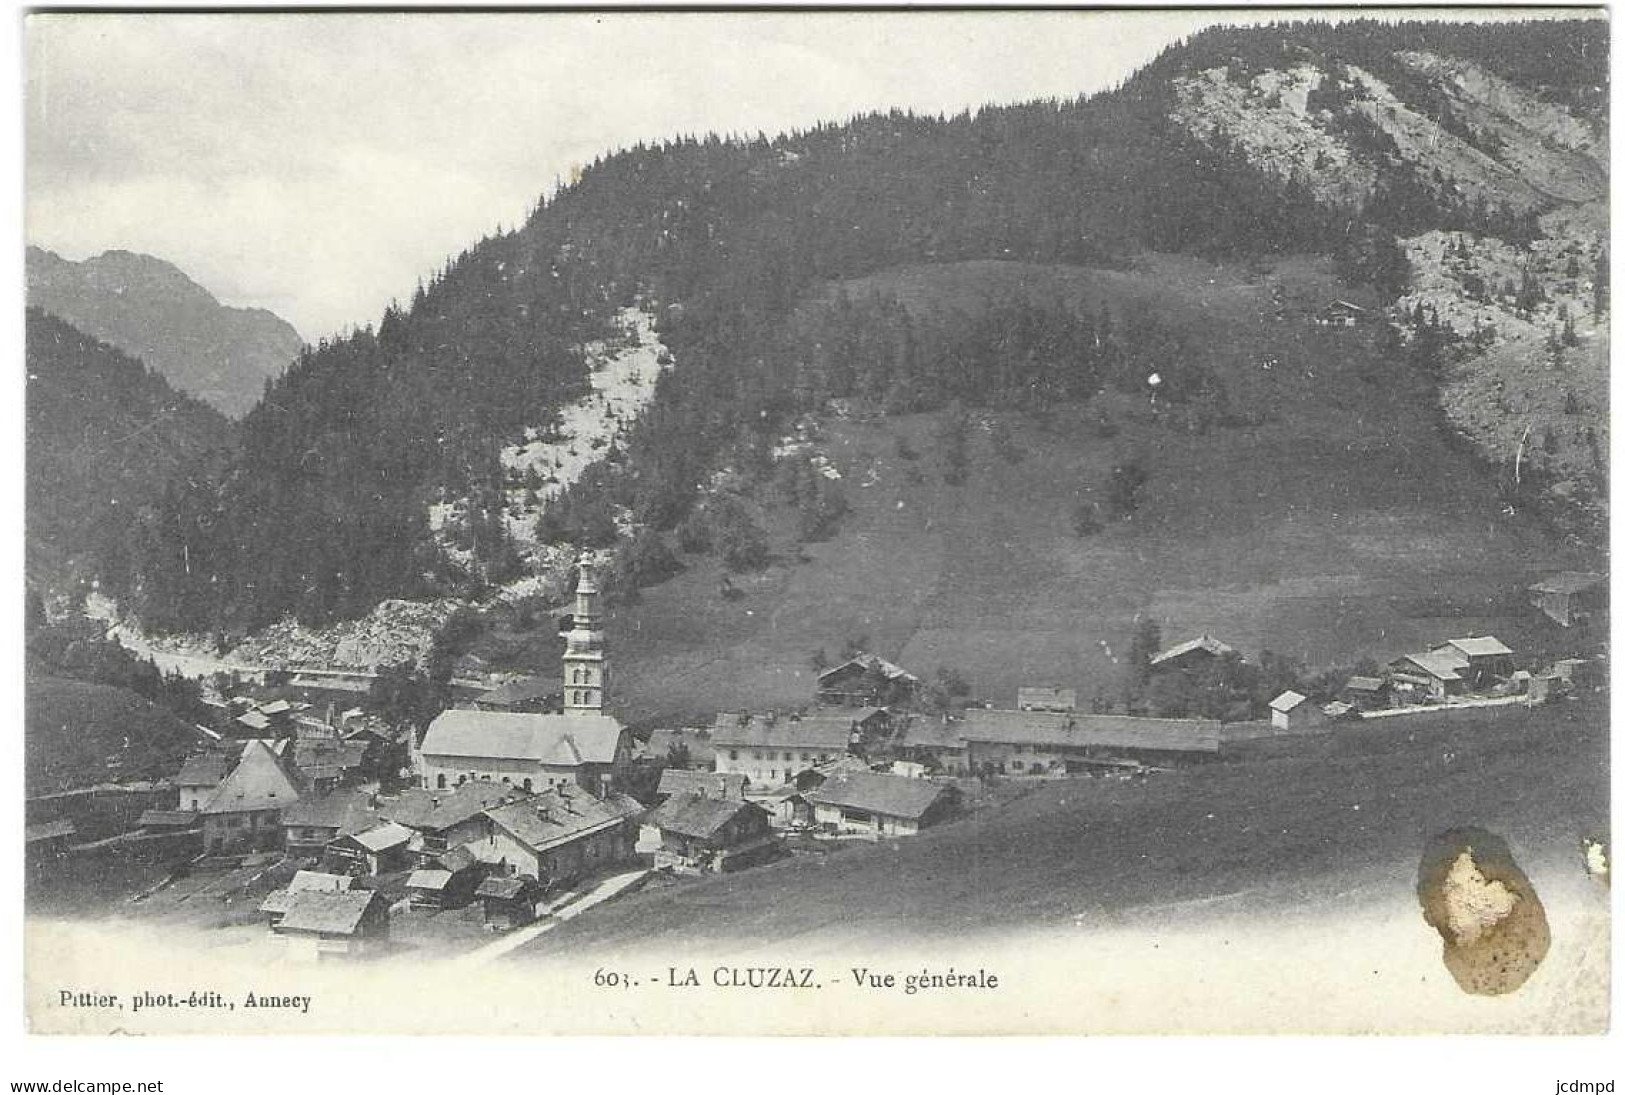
(320, 165)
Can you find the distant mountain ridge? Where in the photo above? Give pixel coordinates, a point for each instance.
(151, 309)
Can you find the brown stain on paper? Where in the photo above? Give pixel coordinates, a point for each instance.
(1485, 909)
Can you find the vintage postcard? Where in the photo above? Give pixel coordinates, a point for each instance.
(817, 523)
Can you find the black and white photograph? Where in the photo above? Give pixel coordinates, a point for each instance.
(815, 523)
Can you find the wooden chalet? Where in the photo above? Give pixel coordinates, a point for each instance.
(334, 924)
(700, 834)
(866, 680)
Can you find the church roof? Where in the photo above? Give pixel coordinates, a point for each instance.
(566, 740)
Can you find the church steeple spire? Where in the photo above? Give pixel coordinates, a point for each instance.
(586, 656)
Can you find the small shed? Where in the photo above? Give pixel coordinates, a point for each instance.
(378, 850)
(508, 901)
(1293, 711)
(1366, 693)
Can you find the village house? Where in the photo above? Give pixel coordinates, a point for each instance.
(770, 749)
(244, 812)
(1191, 656)
(698, 833)
(315, 821)
(321, 924)
(580, 745)
(326, 763)
(932, 741)
(1365, 693)
(378, 849)
(559, 835)
(786, 806)
(275, 905)
(532, 695)
(508, 902)
(1571, 598)
(443, 820)
(719, 785)
(1046, 699)
(200, 774)
(1057, 743)
(880, 804)
(448, 882)
(1293, 711)
(1341, 313)
(866, 681)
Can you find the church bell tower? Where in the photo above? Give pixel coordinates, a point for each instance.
(586, 659)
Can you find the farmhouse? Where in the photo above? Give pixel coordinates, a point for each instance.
(881, 804)
(1295, 711)
(315, 821)
(708, 834)
(1052, 742)
(244, 813)
(1480, 661)
(1432, 676)
(581, 745)
(373, 851)
(770, 749)
(323, 924)
(559, 835)
(1571, 598)
(276, 903)
(1366, 693)
(443, 820)
(1341, 313)
(933, 742)
(866, 681)
(200, 774)
(718, 785)
(1190, 656)
(1046, 699)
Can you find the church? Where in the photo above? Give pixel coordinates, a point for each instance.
(535, 751)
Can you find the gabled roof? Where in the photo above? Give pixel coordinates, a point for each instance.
(677, 781)
(329, 913)
(1054, 699)
(505, 889)
(458, 859)
(258, 782)
(428, 879)
(565, 740)
(879, 793)
(1067, 729)
(869, 663)
(1288, 701)
(276, 707)
(559, 815)
(254, 720)
(436, 811)
(696, 816)
(278, 901)
(1439, 666)
(1203, 643)
(523, 690)
(828, 732)
(346, 811)
(1484, 646)
(204, 769)
(382, 838)
(925, 732)
(311, 753)
(1568, 581)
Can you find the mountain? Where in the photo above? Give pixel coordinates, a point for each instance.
(151, 310)
(106, 438)
(1402, 160)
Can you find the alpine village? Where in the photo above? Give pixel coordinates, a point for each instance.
(786, 523)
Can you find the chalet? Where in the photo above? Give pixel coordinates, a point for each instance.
(699, 834)
(771, 749)
(1341, 313)
(327, 924)
(1433, 676)
(786, 806)
(276, 903)
(1571, 598)
(379, 849)
(559, 835)
(880, 804)
(443, 820)
(1294, 711)
(1046, 699)
(526, 695)
(933, 742)
(244, 812)
(315, 821)
(439, 888)
(326, 763)
(529, 751)
(323, 688)
(681, 748)
(866, 681)
(1366, 693)
(1479, 661)
(1193, 655)
(200, 774)
(508, 902)
(1055, 742)
(717, 785)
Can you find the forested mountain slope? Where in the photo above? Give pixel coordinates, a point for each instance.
(150, 309)
(325, 511)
